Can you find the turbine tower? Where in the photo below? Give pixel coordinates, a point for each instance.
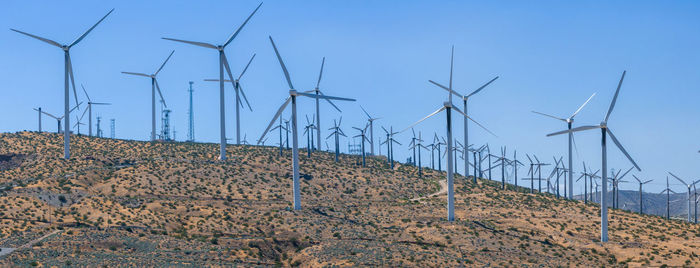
(605, 132)
(569, 121)
(223, 64)
(190, 115)
(447, 107)
(68, 73)
(293, 94)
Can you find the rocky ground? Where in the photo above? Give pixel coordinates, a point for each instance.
(119, 203)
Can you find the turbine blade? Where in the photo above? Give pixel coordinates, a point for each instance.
(139, 74)
(100, 103)
(612, 104)
(228, 41)
(201, 44)
(576, 129)
(558, 118)
(274, 118)
(40, 38)
(320, 74)
(160, 93)
(581, 107)
(284, 68)
(416, 123)
(445, 88)
(622, 148)
(635, 177)
(330, 102)
(677, 178)
(85, 91)
(244, 97)
(480, 125)
(81, 117)
(625, 174)
(363, 109)
(72, 79)
(228, 70)
(323, 97)
(89, 30)
(246, 67)
(166, 61)
(482, 87)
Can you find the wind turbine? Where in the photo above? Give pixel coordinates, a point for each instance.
(318, 92)
(448, 107)
(641, 209)
(89, 109)
(616, 187)
(412, 146)
(239, 89)
(280, 127)
(502, 162)
(605, 131)
(370, 120)
(569, 122)
(419, 144)
(295, 145)
(557, 170)
(58, 119)
(310, 126)
(437, 143)
(668, 192)
(223, 64)
(363, 138)
(465, 98)
(68, 73)
(689, 185)
(78, 122)
(390, 145)
(154, 86)
(337, 132)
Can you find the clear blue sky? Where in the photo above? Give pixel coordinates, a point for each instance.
(550, 55)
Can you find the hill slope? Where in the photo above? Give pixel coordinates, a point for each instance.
(125, 202)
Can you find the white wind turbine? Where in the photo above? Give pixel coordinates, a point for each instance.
(89, 109)
(448, 107)
(239, 89)
(689, 185)
(370, 120)
(569, 121)
(605, 131)
(68, 74)
(317, 91)
(465, 98)
(154, 86)
(223, 64)
(295, 143)
(641, 183)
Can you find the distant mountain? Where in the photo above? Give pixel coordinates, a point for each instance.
(654, 203)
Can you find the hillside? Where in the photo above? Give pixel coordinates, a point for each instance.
(120, 202)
